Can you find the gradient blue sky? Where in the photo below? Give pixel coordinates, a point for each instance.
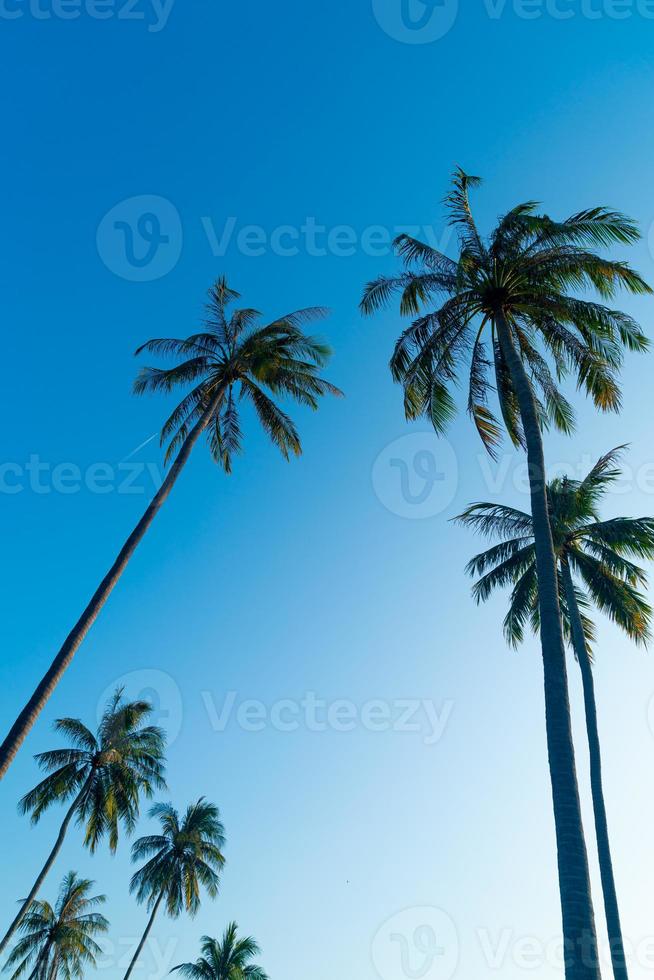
(288, 579)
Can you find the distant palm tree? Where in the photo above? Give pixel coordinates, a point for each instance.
(186, 855)
(506, 307)
(225, 959)
(60, 941)
(599, 552)
(233, 355)
(103, 774)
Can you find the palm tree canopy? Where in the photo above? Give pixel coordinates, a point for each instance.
(233, 359)
(60, 941)
(186, 854)
(225, 959)
(600, 553)
(121, 761)
(526, 273)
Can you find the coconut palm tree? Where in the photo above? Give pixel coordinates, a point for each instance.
(60, 941)
(186, 855)
(225, 959)
(599, 553)
(233, 356)
(506, 308)
(102, 775)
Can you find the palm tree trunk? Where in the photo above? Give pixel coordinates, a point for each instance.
(145, 935)
(580, 940)
(53, 675)
(54, 968)
(41, 962)
(611, 909)
(48, 864)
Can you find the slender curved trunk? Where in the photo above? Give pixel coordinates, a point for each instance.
(580, 940)
(145, 935)
(54, 967)
(618, 959)
(41, 962)
(53, 675)
(48, 864)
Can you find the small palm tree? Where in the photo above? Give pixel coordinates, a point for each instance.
(599, 553)
(505, 311)
(225, 959)
(103, 774)
(186, 855)
(60, 941)
(234, 359)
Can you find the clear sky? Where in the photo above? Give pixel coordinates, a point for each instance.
(351, 842)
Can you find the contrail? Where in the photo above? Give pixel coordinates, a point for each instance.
(138, 448)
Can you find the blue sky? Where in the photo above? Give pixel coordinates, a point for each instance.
(316, 579)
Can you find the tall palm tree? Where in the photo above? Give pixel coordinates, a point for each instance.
(60, 941)
(599, 553)
(187, 854)
(233, 355)
(225, 959)
(103, 775)
(506, 307)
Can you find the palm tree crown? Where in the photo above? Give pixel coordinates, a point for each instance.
(523, 274)
(599, 552)
(186, 855)
(124, 759)
(225, 959)
(60, 941)
(235, 359)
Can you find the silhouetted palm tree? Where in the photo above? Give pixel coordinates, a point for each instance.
(225, 959)
(234, 355)
(186, 855)
(103, 774)
(505, 308)
(599, 553)
(60, 941)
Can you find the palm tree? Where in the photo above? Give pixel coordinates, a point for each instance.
(599, 553)
(505, 306)
(233, 353)
(103, 775)
(60, 941)
(186, 855)
(225, 959)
